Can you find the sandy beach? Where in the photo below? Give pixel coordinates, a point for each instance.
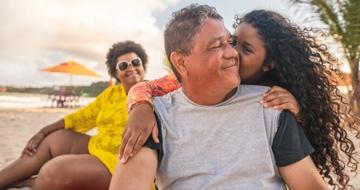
(18, 125)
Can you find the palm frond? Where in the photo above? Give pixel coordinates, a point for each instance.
(342, 18)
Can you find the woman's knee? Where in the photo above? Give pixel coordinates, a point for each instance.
(73, 172)
(55, 136)
(55, 174)
(67, 142)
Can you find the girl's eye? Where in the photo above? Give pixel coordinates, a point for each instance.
(247, 49)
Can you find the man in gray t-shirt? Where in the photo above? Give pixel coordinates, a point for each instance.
(214, 133)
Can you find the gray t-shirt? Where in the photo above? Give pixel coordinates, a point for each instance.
(224, 146)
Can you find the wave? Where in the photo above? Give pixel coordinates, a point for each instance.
(19, 100)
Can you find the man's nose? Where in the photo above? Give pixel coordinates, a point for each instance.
(231, 53)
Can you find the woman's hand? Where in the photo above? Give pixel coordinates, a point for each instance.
(140, 125)
(281, 99)
(32, 145)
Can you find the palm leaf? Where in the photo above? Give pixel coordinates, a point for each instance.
(342, 18)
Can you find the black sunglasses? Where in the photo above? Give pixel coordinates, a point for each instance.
(123, 65)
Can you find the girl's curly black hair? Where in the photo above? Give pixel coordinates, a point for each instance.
(305, 68)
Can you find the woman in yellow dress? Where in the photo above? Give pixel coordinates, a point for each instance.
(62, 155)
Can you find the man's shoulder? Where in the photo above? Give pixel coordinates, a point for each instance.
(249, 98)
(168, 100)
(171, 95)
(249, 94)
(253, 89)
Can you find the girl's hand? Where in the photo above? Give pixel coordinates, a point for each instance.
(281, 99)
(140, 125)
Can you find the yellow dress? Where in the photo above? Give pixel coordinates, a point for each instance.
(109, 115)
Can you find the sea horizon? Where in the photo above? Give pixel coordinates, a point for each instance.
(32, 100)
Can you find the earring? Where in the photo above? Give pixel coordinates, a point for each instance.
(265, 69)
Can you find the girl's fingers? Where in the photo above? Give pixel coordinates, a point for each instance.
(280, 98)
(285, 106)
(155, 134)
(275, 89)
(128, 149)
(125, 140)
(138, 144)
(272, 95)
(275, 100)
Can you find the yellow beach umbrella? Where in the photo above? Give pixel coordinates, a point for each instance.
(72, 68)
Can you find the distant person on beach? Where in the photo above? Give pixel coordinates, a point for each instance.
(62, 155)
(214, 133)
(273, 51)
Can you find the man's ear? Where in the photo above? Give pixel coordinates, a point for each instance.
(178, 61)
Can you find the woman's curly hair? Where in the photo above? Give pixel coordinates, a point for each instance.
(120, 48)
(305, 68)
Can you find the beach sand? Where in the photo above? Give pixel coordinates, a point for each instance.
(18, 125)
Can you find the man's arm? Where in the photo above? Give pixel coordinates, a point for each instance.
(302, 175)
(138, 173)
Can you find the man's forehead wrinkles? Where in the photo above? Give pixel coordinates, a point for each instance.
(220, 37)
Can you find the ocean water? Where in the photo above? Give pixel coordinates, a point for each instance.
(23, 100)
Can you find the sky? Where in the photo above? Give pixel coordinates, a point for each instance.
(41, 33)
